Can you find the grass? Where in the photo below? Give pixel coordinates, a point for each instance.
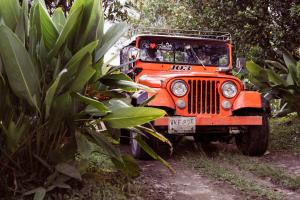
(285, 133)
(102, 181)
(264, 170)
(212, 168)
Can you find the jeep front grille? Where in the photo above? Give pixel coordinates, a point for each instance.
(203, 97)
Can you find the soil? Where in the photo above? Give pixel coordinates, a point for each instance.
(158, 183)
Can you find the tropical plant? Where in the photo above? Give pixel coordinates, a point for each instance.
(54, 89)
(280, 79)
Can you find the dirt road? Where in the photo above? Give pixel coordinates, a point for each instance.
(219, 171)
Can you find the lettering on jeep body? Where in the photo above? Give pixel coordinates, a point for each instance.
(181, 68)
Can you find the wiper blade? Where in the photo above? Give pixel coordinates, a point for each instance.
(195, 55)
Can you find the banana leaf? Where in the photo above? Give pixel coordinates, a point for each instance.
(59, 19)
(112, 35)
(132, 116)
(68, 31)
(48, 28)
(20, 70)
(10, 12)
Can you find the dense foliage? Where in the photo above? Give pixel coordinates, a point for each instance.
(58, 98)
(257, 26)
(113, 9)
(281, 80)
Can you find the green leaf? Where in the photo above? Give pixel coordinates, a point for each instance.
(132, 116)
(152, 153)
(89, 101)
(257, 71)
(100, 26)
(116, 104)
(117, 76)
(51, 93)
(59, 19)
(14, 133)
(92, 111)
(48, 29)
(288, 58)
(91, 18)
(10, 12)
(128, 86)
(40, 194)
(84, 75)
(275, 78)
(68, 31)
(277, 65)
(129, 167)
(20, 70)
(78, 57)
(102, 142)
(22, 24)
(62, 106)
(68, 170)
(298, 70)
(155, 135)
(81, 80)
(112, 35)
(84, 146)
(77, 4)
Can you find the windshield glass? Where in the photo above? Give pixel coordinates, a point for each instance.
(182, 51)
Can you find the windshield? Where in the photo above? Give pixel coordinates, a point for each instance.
(181, 51)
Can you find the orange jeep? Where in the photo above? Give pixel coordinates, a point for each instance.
(191, 71)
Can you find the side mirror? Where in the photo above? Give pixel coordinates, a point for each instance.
(241, 63)
(133, 53)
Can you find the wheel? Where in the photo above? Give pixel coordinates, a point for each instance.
(136, 149)
(159, 147)
(254, 142)
(124, 136)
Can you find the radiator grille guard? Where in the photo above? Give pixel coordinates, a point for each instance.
(203, 97)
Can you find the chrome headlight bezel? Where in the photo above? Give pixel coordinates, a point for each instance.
(183, 86)
(229, 85)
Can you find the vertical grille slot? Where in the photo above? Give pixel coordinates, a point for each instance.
(203, 97)
(213, 98)
(203, 100)
(199, 96)
(190, 97)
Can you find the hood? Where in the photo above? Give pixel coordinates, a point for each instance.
(161, 78)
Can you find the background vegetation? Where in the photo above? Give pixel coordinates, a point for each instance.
(257, 27)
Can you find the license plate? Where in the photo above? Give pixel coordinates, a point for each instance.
(182, 125)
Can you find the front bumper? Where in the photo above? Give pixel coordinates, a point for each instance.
(218, 121)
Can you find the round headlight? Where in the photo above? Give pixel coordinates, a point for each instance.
(179, 88)
(229, 89)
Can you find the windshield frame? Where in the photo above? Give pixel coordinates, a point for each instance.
(188, 40)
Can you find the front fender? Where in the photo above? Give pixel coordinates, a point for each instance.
(248, 99)
(162, 99)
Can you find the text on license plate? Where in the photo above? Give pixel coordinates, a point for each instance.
(182, 125)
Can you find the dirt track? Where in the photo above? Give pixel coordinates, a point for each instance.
(218, 171)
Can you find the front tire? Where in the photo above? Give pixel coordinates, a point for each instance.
(136, 149)
(159, 147)
(254, 142)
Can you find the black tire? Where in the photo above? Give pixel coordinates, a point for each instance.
(254, 142)
(125, 136)
(136, 149)
(160, 148)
